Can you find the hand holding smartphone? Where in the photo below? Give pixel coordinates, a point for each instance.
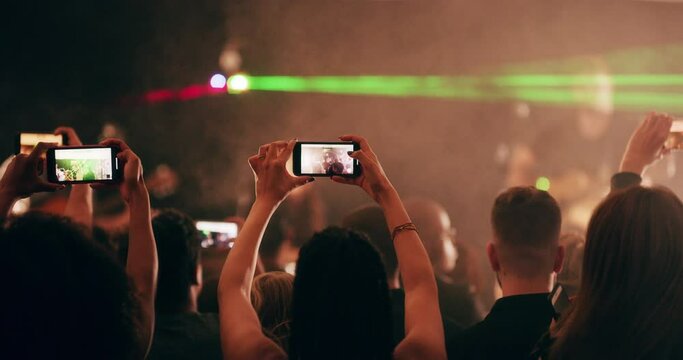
(25, 142)
(675, 139)
(325, 159)
(83, 164)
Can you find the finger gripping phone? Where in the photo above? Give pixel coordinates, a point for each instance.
(25, 142)
(325, 159)
(83, 164)
(675, 139)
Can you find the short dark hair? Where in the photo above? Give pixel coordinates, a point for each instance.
(178, 246)
(526, 220)
(66, 296)
(370, 220)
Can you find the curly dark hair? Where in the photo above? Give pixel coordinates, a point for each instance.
(67, 298)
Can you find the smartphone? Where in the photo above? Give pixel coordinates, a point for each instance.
(83, 164)
(217, 234)
(675, 139)
(560, 300)
(325, 159)
(25, 142)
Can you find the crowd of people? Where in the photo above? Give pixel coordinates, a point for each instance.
(379, 286)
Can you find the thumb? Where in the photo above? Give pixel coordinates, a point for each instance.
(46, 186)
(361, 156)
(303, 180)
(343, 180)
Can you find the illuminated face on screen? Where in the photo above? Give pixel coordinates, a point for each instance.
(330, 159)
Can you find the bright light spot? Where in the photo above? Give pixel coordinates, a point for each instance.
(290, 268)
(522, 110)
(217, 81)
(238, 83)
(543, 183)
(230, 59)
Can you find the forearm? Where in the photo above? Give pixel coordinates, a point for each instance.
(423, 324)
(241, 332)
(414, 265)
(238, 270)
(142, 262)
(632, 164)
(79, 206)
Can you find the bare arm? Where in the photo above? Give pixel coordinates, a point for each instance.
(79, 205)
(646, 144)
(424, 328)
(423, 324)
(142, 263)
(241, 334)
(645, 147)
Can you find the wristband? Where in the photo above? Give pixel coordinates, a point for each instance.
(405, 227)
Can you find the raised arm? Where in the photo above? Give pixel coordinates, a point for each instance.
(644, 148)
(241, 334)
(21, 179)
(79, 205)
(142, 263)
(423, 326)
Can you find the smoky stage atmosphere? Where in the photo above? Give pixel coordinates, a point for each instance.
(457, 100)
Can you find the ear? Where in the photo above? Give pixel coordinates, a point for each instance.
(493, 256)
(559, 259)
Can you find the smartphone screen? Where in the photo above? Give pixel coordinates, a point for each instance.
(86, 164)
(675, 139)
(217, 234)
(325, 159)
(27, 141)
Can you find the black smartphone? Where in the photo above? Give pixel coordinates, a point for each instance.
(83, 164)
(560, 300)
(325, 159)
(25, 142)
(217, 234)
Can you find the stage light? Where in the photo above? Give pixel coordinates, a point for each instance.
(238, 83)
(217, 81)
(230, 60)
(543, 183)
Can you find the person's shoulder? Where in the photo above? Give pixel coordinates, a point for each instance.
(482, 328)
(465, 343)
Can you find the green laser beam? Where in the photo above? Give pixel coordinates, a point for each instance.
(627, 80)
(660, 58)
(408, 83)
(569, 90)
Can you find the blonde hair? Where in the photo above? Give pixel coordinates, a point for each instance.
(271, 297)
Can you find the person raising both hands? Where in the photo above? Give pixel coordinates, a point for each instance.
(341, 307)
(70, 299)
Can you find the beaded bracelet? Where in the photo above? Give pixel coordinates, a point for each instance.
(407, 226)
